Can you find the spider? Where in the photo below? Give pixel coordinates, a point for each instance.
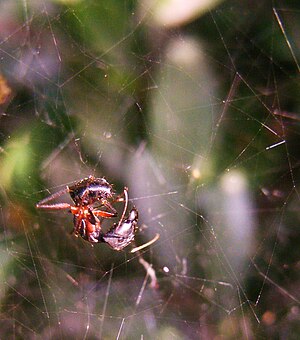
(89, 195)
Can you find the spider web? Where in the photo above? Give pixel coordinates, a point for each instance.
(196, 111)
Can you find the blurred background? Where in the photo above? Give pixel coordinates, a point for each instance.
(194, 106)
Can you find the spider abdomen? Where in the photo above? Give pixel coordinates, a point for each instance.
(90, 190)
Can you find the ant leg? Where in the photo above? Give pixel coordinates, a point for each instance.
(125, 206)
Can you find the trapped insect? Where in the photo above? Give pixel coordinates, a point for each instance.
(93, 198)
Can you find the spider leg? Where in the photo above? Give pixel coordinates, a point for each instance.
(105, 214)
(108, 205)
(87, 231)
(79, 226)
(86, 225)
(57, 206)
(93, 228)
(121, 197)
